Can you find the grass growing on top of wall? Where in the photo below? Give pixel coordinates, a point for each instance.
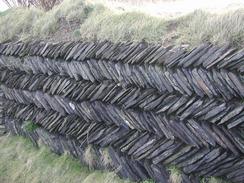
(24, 23)
(21, 162)
(76, 19)
(130, 26)
(221, 28)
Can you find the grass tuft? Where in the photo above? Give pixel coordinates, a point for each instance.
(67, 12)
(200, 27)
(90, 156)
(106, 159)
(105, 24)
(28, 23)
(175, 175)
(17, 23)
(29, 126)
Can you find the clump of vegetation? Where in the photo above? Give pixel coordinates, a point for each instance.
(175, 174)
(68, 12)
(90, 156)
(17, 23)
(200, 27)
(29, 126)
(106, 159)
(105, 24)
(28, 23)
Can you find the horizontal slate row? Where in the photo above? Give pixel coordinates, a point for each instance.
(216, 111)
(205, 55)
(190, 81)
(139, 146)
(197, 134)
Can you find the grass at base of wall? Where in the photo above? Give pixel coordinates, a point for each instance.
(21, 162)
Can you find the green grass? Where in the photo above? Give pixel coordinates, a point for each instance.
(75, 19)
(21, 162)
(132, 26)
(24, 23)
(29, 126)
(175, 174)
(200, 27)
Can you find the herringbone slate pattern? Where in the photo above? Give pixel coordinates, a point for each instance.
(151, 106)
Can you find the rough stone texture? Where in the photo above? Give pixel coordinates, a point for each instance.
(151, 106)
(2, 126)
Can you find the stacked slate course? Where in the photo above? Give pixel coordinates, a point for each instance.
(151, 107)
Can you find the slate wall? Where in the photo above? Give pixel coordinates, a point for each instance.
(2, 126)
(152, 106)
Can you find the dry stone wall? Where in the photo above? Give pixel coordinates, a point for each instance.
(150, 106)
(2, 126)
